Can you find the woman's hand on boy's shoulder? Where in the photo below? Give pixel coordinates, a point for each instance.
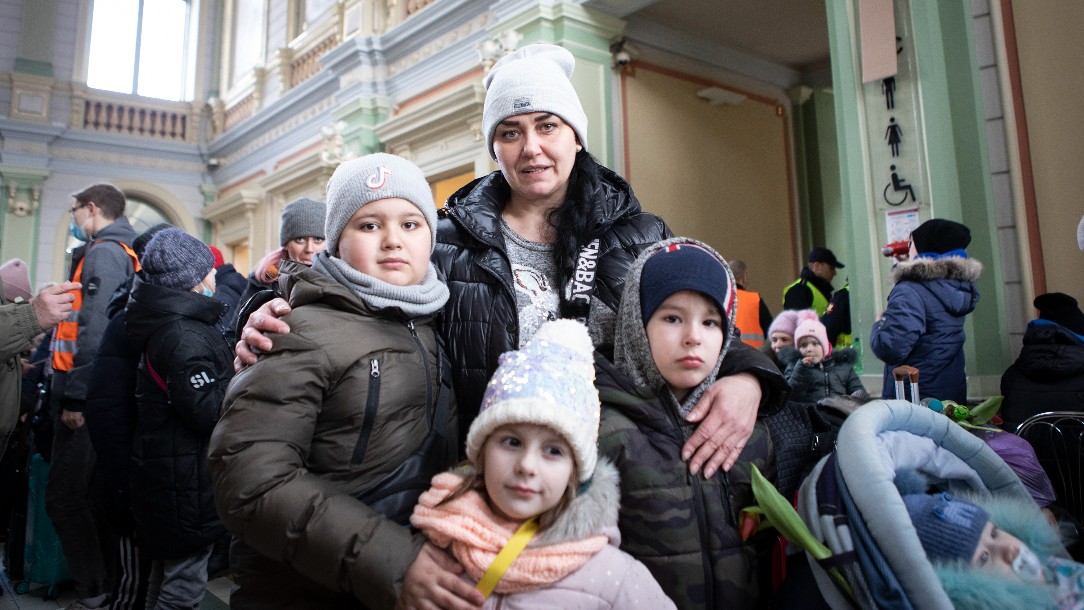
(727, 413)
(253, 340)
(433, 582)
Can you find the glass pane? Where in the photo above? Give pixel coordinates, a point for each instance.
(112, 45)
(162, 49)
(248, 37)
(314, 9)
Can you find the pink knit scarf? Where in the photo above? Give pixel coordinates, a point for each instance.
(476, 534)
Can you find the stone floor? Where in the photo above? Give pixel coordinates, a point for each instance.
(216, 598)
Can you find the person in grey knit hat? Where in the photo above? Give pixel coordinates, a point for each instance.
(362, 361)
(535, 78)
(372, 177)
(184, 368)
(302, 218)
(175, 259)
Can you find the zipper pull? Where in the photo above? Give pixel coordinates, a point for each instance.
(410, 327)
(374, 368)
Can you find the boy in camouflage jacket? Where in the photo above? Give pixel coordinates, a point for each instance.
(675, 324)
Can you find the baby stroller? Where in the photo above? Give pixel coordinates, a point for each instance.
(851, 505)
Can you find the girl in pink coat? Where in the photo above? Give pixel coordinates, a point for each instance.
(533, 517)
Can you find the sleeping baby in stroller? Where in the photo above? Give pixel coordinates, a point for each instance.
(912, 511)
(994, 552)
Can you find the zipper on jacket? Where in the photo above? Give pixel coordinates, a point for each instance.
(701, 517)
(827, 385)
(372, 400)
(430, 408)
(705, 542)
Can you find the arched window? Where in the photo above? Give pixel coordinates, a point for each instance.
(143, 47)
(142, 214)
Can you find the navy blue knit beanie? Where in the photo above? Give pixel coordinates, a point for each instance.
(949, 528)
(680, 267)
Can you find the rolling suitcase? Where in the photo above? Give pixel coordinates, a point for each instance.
(44, 558)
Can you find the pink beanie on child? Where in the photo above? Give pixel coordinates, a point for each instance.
(810, 326)
(785, 322)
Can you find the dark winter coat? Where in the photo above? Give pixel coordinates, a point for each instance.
(480, 320)
(923, 324)
(111, 413)
(289, 463)
(229, 286)
(106, 266)
(833, 376)
(1047, 376)
(684, 528)
(170, 479)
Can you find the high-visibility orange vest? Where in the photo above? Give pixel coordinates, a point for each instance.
(67, 331)
(748, 318)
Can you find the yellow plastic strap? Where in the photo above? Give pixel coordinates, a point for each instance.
(507, 556)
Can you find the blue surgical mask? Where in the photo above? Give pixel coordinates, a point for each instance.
(207, 292)
(77, 231)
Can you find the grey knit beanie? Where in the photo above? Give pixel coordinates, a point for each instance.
(175, 259)
(533, 79)
(372, 178)
(302, 218)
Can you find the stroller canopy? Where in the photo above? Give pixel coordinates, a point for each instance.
(851, 503)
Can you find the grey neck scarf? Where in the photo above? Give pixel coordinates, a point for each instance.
(418, 300)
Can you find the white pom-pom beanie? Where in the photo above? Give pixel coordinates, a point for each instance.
(550, 381)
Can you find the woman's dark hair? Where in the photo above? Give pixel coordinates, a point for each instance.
(572, 220)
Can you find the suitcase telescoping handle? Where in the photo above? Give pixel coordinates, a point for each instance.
(904, 372)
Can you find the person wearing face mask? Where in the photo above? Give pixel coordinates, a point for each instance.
(185, 367)
(981, 565)
(107, 262)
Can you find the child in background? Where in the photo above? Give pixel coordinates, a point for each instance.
(675, 325)
(185, 368)
(535, 480)
(341, 407)
(780, 335)
(815, 372)
(980, 565)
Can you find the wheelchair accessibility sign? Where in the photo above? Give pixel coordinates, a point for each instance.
(898, 190)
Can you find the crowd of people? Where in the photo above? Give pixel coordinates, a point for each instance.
(537, 397)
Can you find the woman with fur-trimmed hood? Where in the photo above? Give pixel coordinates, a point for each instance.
(923, 324)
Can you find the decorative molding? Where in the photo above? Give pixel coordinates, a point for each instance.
(443, 135)
(440, 43)
(281, 129)
(103, 158)
(30, 96)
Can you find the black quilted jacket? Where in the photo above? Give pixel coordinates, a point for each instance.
(480, 321)
(179, 396)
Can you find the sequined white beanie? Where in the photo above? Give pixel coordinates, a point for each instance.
(535, 78)
(550, 381)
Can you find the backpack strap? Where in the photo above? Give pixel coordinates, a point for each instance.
(154, 374)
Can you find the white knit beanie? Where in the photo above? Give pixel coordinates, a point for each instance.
(550, 381)
(533, 79)
(372, 178)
